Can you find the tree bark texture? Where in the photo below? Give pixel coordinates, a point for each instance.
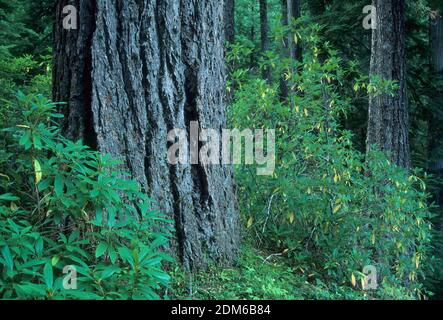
(388, 116)
(290, 9)
(435, 122)
(133, 71)
(294, 11)
(229, 17)
(284, 87)
(264, 32)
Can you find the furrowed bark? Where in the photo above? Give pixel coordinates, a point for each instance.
(133, 71)
(388, 122)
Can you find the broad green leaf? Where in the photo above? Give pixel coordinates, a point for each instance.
(58, 185)
(9, 197)
(48, 275)
(6, 253)
(101, 249)
(109, 271)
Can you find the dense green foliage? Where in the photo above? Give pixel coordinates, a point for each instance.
(328, 210)
(62, 204)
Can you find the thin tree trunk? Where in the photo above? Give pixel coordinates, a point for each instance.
(229, 20)
(133, 71)
(434, 122)
(252, 33)
(294, 11)
(264, 32)
(284, 86)
(388, 116)
(290, 9)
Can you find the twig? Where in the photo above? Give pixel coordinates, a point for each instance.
(269, 213)
(272, 256)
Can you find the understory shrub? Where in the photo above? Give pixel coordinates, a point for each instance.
(70, 218)
(329, 210)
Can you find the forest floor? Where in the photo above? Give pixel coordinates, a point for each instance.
(257, 276)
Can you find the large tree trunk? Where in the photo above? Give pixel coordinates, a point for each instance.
(133, 71)
(264, 32)
(388, 116)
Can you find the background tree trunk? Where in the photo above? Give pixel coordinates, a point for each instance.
(294, 11)
(317, 7)
(388, 116)
(264, 32)
(290, 9)
(284, 87)
(230, 20)
(133, 71)
(435, 115)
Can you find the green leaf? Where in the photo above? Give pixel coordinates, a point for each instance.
(112, 254)
(73, 236)
(9, 197)
(25, 140)
(9, 262)
(126, 254)
(48, 275)
(101, 249)
(55, 260)
(109, 271)
(58, 185)
(161, 276)
(31, 290)
(39, 246)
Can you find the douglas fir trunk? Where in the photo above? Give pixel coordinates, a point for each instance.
(130, 73)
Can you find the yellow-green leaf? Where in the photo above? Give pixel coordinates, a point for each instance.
(336, 209)
(250, 222)
(38, 171)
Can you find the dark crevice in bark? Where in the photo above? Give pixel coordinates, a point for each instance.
(145, 84)
(178, 219)
(90, 136)
(126, 85)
